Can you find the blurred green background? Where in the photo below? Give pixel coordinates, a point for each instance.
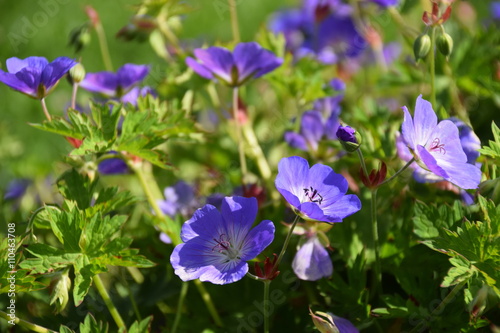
(42, 28)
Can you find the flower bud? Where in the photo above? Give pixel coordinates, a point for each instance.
(77, 73)
(491, 189)
(444, 44)
(422, 46)
(348, 138)
(325, 323)
(80, 37)
(60, 286)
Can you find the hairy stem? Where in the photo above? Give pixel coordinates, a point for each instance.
(362, 161)
(287, 240)
(397, 173)
(109, 303)
(45, 110)
(377, 278)
(73, 96)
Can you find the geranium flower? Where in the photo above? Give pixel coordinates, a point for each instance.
(436, 147)
(115, 84)
(328, 322)
(217, 245)
(385, 3)
(312, 261)
(247, 61)
(317, 193)
(179, 199)
(35, 76)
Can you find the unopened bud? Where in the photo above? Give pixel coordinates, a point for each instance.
(80, 37)
(444, 44)
(77, 73)
(349, 138)
(422, 46)
(59, 295)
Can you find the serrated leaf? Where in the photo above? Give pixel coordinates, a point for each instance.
(98, 231)
(429, 218)
(90, 325)
(65, 329)
(77, 187)
(493, 149)
(48, 264)
(141, 327)
(456, 275)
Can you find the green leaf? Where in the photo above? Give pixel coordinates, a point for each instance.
(90, 325)
(493, 149)
(65, 329)
(141, 327)
(429, 218)
(77, 187)
(48, 264)
(98, 231)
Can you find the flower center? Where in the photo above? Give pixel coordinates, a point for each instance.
(222, 245)
(437, 145)
(313, 195)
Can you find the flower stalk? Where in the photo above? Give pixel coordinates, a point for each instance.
(234, 20)
(26, 324)
(45, 110)
(239, 137)
(109, 303)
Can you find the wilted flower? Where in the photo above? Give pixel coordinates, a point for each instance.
(247, 61)
(437, 147)
(35, 76)
(115, 84)
(317, 193)
(217, 245)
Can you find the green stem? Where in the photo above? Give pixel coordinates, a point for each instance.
(180, 304)
(239, 138)
(107, 300)
(432, 60)
(45, 110)
(287, 240)
(397, 173)
(103, 45)
(73, 95)
(25, 324)
(208, 302)
(377, 278)
(234, 20)
(362, 161)
(447, 300)
(258, 154)
(266, 313)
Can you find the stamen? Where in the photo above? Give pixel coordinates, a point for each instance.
(222, 244)
(436, 145)
(313, 195)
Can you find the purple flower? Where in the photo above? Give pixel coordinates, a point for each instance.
(312, 261)
(321, 122)
(495, 10)
(217, 245)
(385, 3)
(347, 134)
(113, 166)
(35, 76)
(115, 84)
(337, 84)
(437, 147)
(317, 193)
(328, 322)
(133, 95)
(179, 199)
(16, 189)
(248, 60)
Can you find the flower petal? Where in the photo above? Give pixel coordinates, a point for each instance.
(291, 178)
(330, 185)
(312, 261)
(131, 74)
(102, 82)
(340, 209)
(17, 83)
(218, 60)
(295, 140)
(464, 175)
(425, 120)
(312, 128)
(446, 134)
(238, 214)
(14, 64)
(206, 223)
(54, 71)
(408, 130)
(260, 237)
(199, 69)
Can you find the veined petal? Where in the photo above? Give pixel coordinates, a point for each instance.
(206, 222)
(330, 185)
(54, 71)
(408, 130)
(257, 240)
(312, 261)
(17, 83)
(340, 209)
(218, 60)
(247, 59)
(225, 273)
(292, 175)
(430, 162)
(425, 120)
(464, 175)
(14, 64)
(238, 214)
(312, 211)
(447, 143)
